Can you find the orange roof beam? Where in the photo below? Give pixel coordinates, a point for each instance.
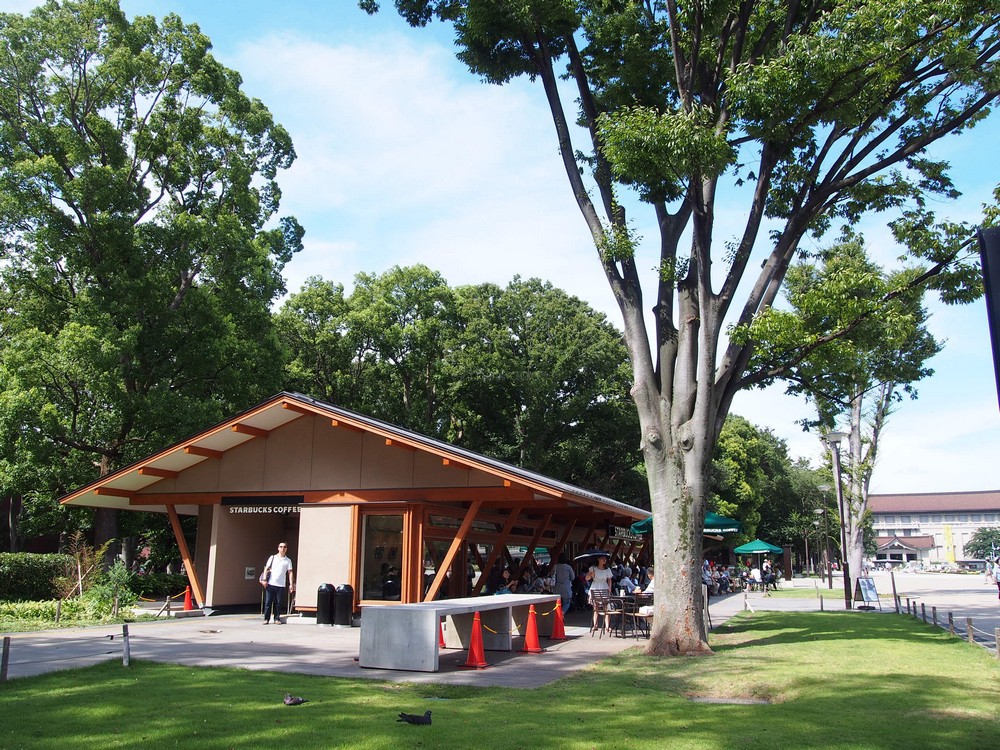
(245, 429)
(197, 450)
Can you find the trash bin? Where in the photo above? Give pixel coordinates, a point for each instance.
(324, 604)
(343, 606)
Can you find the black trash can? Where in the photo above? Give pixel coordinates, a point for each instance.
(343, 606)
(324, 604)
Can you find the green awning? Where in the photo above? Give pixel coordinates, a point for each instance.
(714, 524)
(756, 547)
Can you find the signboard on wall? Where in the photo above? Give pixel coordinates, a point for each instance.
(263, 504)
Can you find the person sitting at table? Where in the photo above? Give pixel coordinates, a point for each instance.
(626, 584)
(648, 588)
(706, 578)
(724, 581)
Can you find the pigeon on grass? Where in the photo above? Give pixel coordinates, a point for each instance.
(293, 700)
(414, 719)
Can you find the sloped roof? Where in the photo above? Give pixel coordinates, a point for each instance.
(117, 490)
(935, 502)
(904, 542)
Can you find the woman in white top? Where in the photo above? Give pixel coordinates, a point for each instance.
(600, 580)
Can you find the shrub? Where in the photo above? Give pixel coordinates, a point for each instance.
(158, 585)
(43, 611)
(26, 576)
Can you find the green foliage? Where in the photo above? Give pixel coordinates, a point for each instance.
(111, 592)
(157, 585)
(25, 576)
(661, 152)
(141, 248)
(984, 543)
(43, 612)
(526, 373)
(82, 568)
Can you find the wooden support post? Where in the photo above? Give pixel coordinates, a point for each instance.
(934, 615)
(126, 650)
(968, 630)
(923, 611)
(5, 658)
(175, 524)
(456, 543)
(58, 610)
(951, 623)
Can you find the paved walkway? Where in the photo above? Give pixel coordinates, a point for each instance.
(241, 641)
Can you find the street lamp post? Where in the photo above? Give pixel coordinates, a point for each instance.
(826, 535)
(832, 440)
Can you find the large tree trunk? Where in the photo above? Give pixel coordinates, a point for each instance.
(679, 622)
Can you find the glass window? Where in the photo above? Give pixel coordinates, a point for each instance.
(904, 519)
(976, 517)
(925, 519)
(949, 518)
(382, 557)
(963, 518)
(936, 518)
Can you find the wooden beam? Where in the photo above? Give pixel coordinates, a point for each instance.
(149, 471)
(398, 444)
(288, 405)
(456, 465)
(495, 551)
(112, 492)
(196, 450)
(558, 547)
(530, 554)
(456, 544)
(340, 423)
(245, 429)
(175, 524)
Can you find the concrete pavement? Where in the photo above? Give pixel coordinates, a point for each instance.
(242, 641)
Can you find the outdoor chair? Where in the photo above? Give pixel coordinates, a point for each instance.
(639, 620)
(600, 602)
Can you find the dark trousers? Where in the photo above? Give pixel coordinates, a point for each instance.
(274, 599)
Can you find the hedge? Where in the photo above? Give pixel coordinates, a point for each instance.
(26, 576)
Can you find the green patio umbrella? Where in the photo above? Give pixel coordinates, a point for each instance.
(757, 547)
(714, 524)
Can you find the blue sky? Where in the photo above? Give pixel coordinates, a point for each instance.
(404, 157)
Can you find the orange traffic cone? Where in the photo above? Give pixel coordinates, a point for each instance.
(477, 659)
(531, 644)
(558, 624)
(188, 606)
(440, 635)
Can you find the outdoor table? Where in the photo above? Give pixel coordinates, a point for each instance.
(406, 636)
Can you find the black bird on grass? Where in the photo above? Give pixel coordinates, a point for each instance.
(293, 700)
(414, 719)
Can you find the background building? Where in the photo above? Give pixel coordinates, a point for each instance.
(931, 529)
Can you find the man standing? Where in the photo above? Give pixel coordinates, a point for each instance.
(280, 578)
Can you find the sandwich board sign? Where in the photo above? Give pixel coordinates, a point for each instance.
(864, 591)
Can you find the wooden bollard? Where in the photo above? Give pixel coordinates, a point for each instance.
(923, 611)
(934, 615)
(951, 623)
(5, 658)
(968, 630)
(996, 640)
(126, 650)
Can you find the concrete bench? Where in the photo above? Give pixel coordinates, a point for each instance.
(405, 636)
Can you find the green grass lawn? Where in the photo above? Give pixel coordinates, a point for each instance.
(825, 680)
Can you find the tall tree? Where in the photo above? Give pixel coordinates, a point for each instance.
(859, 378)
(541, 379)
(136, 184)
(820, 111)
